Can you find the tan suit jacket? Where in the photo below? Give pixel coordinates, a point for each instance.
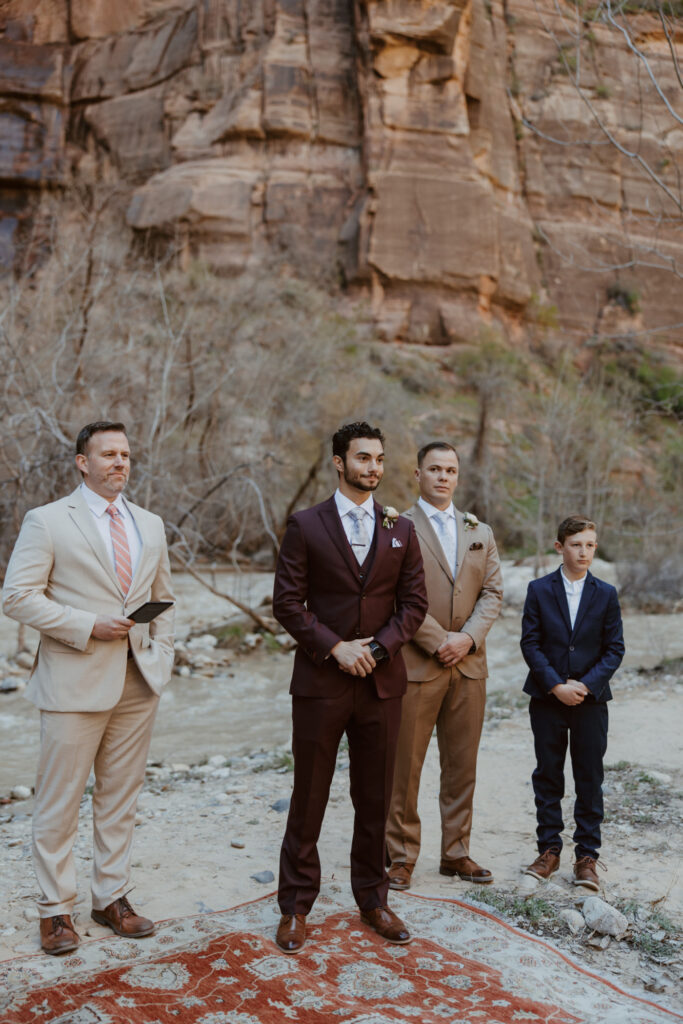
(468, 603)
(59, 578)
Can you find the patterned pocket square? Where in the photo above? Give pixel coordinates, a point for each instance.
(477, 546)
(396, 543)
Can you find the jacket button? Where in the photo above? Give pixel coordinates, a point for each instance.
(363, 597)
(571, 648)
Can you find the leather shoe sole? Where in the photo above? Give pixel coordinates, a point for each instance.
(400, 877)
(98, 916)
(444, 869)
(383, 929)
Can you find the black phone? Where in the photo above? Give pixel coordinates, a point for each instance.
(149, 610)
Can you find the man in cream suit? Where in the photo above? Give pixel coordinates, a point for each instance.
(79, 566)
(446, 664)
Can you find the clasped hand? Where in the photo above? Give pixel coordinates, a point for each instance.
(571, 693)
(354, 657)
(454, 648)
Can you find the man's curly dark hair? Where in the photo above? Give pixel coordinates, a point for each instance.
(345, 435)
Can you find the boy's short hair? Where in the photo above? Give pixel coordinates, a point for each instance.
(574, 524)
(446, 445)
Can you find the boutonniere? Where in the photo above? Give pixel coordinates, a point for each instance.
(389, 517)
(470, 520)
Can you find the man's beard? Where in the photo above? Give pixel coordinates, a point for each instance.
(359, 483)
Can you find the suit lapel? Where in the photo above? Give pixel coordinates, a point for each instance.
(330, 517)
(461, 542)
(82, 517)
(561, 598)
(427, 533)
(141, 526)
(383, 540)
(587, 595)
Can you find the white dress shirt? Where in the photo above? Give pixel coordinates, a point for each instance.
(451, 525)
(573, 589)
(98, 506)
(345, 505)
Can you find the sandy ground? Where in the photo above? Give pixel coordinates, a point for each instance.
(207, 823)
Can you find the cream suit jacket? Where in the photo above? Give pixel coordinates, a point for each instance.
(59, 578)
(468, 603)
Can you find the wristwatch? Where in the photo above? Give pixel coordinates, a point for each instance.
(378, 650)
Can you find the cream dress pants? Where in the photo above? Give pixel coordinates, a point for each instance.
(115, 743)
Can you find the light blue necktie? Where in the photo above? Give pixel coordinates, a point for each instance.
(446, 538)
(360, 542)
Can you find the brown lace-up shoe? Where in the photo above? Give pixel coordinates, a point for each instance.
(399, 876)
(122, 919)
(467, 869)
(585, 873)
(545, 865)
(291, 933)
(387, 924)
(58, 935)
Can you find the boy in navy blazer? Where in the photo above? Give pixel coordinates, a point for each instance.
(572, 641)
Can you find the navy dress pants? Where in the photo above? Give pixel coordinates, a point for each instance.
(584, 728)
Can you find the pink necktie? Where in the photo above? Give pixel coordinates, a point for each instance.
(122, 564)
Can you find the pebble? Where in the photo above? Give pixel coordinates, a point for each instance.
(21, 793)
(280, 805)
(601, 917)
(31, 913)
(24, 659)
(263, 876)
(661, 777)
(599, 941)
(9, 685)
(180, 768)
(218, 761)
(184, 671)
(574, 920)
(529, 884)
(206, 640)
(655, 983)
(237, 844)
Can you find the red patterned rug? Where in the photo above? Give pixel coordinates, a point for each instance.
(465, 966)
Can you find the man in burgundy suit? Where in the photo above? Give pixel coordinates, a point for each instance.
(349, 587)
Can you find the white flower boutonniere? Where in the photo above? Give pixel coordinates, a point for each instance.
(389, 517)
(470, 520)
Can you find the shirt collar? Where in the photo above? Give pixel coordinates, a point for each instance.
(573, 586)
(99, 505)
(431, 510)
(345, 505)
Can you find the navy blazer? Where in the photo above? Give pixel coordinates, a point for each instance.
(591, 652)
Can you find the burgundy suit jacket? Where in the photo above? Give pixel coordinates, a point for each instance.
(321, 598)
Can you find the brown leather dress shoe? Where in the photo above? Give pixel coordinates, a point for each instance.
(58, 935)
(291, 933)
(387, 924)
(399, 876)
(585, 873)
(545, 865)
(122, 919)
(467, 869)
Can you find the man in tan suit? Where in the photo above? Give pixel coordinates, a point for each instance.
(446, 664)
(79, 566)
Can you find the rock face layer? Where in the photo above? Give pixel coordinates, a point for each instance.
(419, 149)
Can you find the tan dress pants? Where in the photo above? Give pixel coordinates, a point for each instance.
(455, 705)
(115, 743)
